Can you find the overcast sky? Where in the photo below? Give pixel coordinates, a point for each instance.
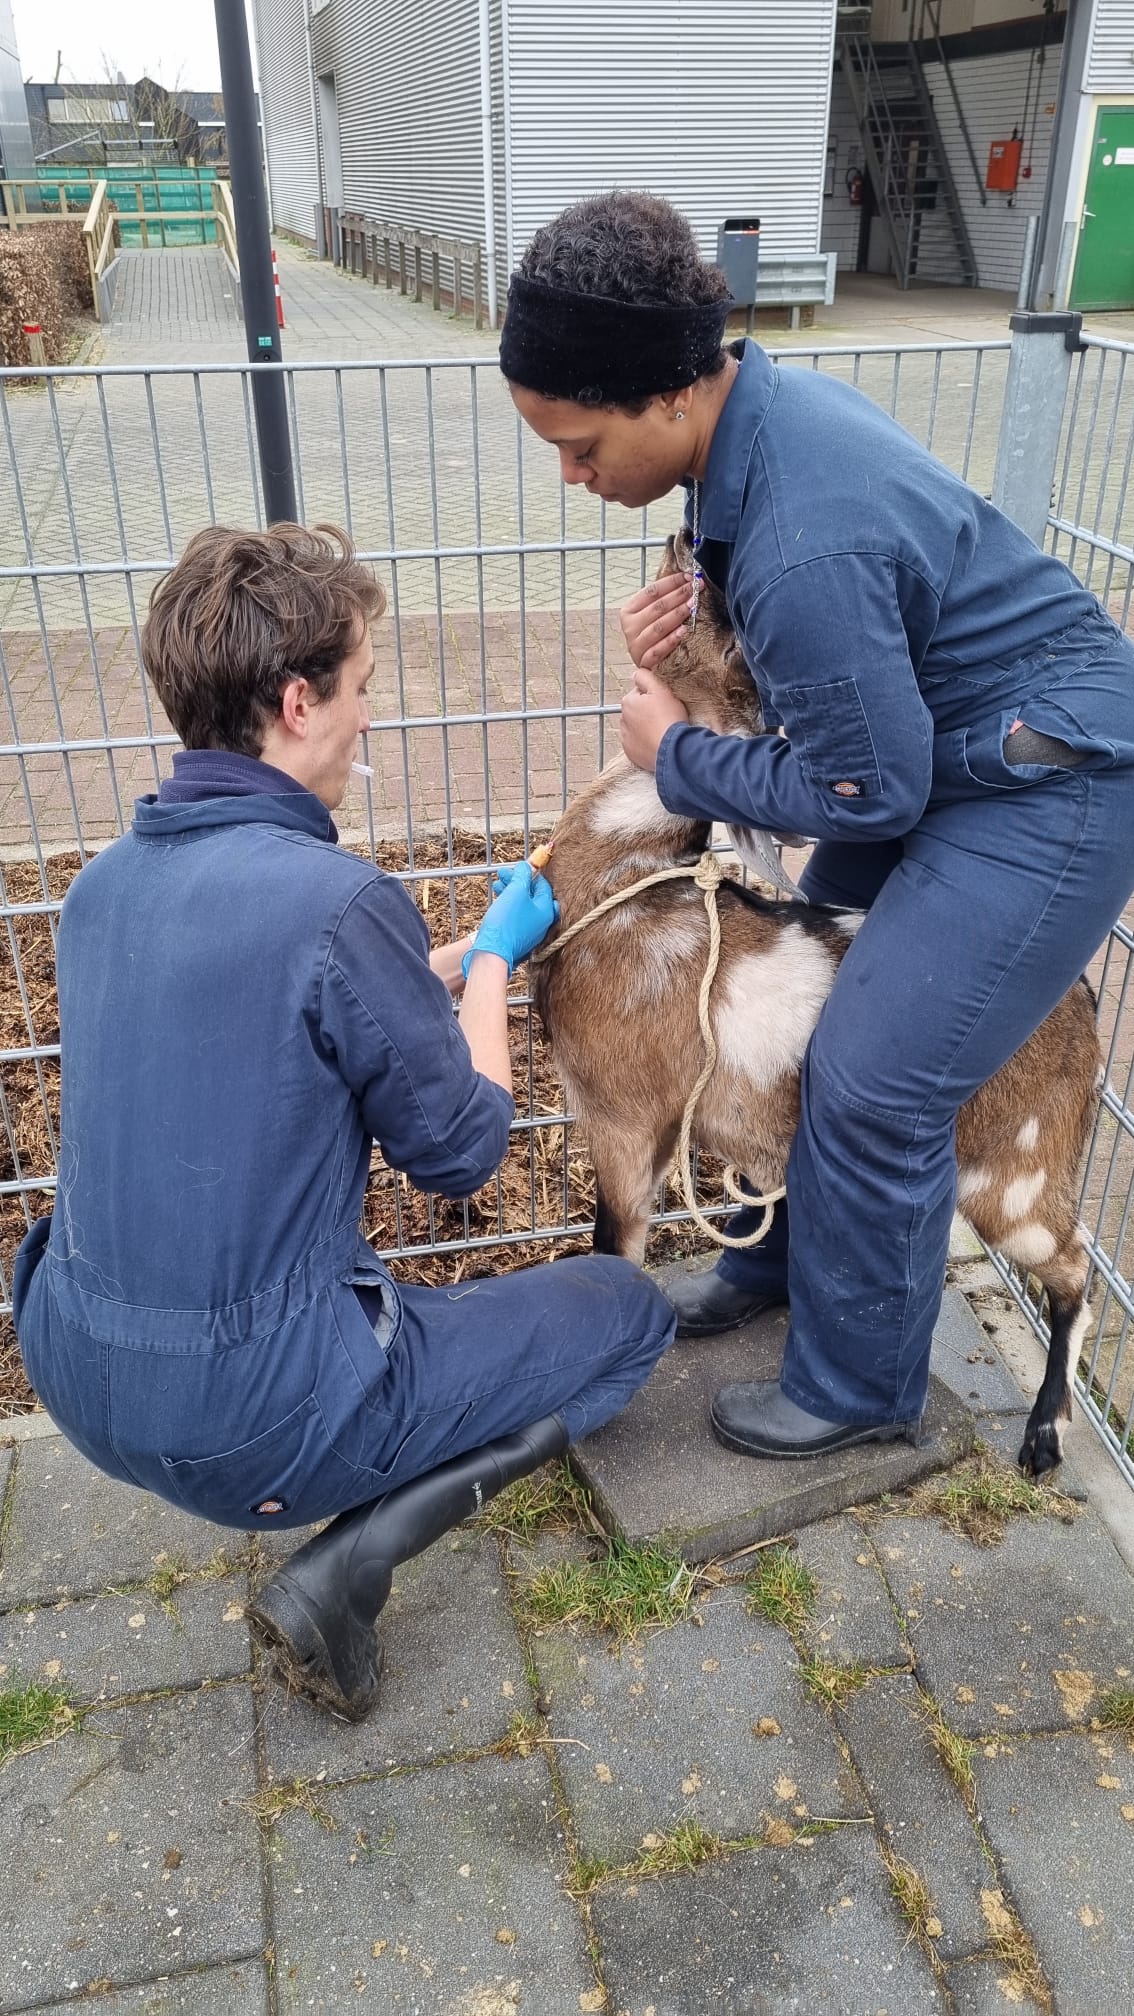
(174, 41)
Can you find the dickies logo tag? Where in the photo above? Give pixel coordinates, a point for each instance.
(847, 788)
(270, 1505)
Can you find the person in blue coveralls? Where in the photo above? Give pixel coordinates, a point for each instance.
(956, 717)
(245, 1008)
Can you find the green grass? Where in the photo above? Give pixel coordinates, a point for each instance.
(687, 1847)
(830, 1684)
(551, 1500)
(627, 1591)
(955, 1752)
(1116, 1709)
(33, 1715)
(981, 1495)
(782, 1589)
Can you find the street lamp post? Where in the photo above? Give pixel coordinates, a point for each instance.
(254, 251)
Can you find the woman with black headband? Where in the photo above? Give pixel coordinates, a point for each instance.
(958, 717)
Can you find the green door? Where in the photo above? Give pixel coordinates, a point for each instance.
(1104, 269)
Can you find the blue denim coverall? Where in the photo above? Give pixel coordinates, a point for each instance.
(244, 1006)
(897, 626)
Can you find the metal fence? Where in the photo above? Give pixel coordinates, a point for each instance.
(498, 669)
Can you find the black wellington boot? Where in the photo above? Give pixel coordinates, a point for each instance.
(317, 1613)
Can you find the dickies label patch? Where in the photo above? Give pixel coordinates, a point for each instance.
(848, 788)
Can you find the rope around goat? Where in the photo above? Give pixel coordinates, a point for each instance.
(708, 876)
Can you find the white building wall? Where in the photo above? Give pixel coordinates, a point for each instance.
(407, 82)
(286, 113)
(723, 109)
(1110, 58)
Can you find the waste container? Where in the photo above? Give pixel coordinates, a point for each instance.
(738, 256)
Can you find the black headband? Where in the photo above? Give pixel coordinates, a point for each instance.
(591, 348)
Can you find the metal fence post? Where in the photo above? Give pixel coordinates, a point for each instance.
(1030, 425)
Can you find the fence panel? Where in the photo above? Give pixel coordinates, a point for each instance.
(499, 666)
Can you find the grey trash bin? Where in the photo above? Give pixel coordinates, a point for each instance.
(738, 256)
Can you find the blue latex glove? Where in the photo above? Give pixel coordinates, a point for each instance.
(521, 916)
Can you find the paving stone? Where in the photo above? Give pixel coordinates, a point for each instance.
(222, 1991)
(1067, 1853)
(399, 1907)
(765, 1934)
(1002, 1434)
(107, 1645)
(74, 1530)
(922, 1812)
(454, 1676)
(853, 1622)
(6, 1457)
(664, 1731)
(659, 1474)
(125, 1849)
(967, 1361)
(985, 1988)
(992, 1627)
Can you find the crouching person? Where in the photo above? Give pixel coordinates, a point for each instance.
(245, 1008)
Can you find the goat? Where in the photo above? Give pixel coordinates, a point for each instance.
(619, 1006)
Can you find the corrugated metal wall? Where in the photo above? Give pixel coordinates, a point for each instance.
(1110, 61)
(722, 108)
(407, 81)
(285, 102)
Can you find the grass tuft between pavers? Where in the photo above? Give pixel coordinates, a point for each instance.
(911, 1891)
(1116, 1709)
(551, 1500)
(980, 1496)
(956, 1752)
(626, 1591)
(782, 1589)
(32, 1716)
(831, 1684)
(1014, 1949)
(291, 1795)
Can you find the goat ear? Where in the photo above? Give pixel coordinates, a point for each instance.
(670, 564)
(681, 548)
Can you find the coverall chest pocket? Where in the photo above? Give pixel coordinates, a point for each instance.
(288, 1476)
(830, 736)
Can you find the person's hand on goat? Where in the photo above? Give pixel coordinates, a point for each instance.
(647, 711)
(655, 619)
(519, 919)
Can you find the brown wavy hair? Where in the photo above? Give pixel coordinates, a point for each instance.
(242, 613)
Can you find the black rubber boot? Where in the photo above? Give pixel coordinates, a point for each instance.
(706, 1303)
(758, 1419)
(317, 1613)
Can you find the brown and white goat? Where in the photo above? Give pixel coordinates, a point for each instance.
(619, 1005)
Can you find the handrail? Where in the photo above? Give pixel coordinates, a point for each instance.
(226, 223)
(932, 10)
(360, 234)
(98, 235)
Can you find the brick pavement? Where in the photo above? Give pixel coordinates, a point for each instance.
(917, 1795)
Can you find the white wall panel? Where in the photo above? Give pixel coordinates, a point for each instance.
(288, 122)
(1110, 59)
(722, 108)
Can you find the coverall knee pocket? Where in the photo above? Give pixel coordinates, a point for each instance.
(287, 1476)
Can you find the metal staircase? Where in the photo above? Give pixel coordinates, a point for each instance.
(903, 149)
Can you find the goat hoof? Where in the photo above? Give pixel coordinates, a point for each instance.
(1040, 1450)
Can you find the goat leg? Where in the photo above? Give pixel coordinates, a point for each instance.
(1042, 1447)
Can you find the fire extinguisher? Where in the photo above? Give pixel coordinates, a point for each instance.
(854, 187)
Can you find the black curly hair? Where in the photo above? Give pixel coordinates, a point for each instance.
(627, 246)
